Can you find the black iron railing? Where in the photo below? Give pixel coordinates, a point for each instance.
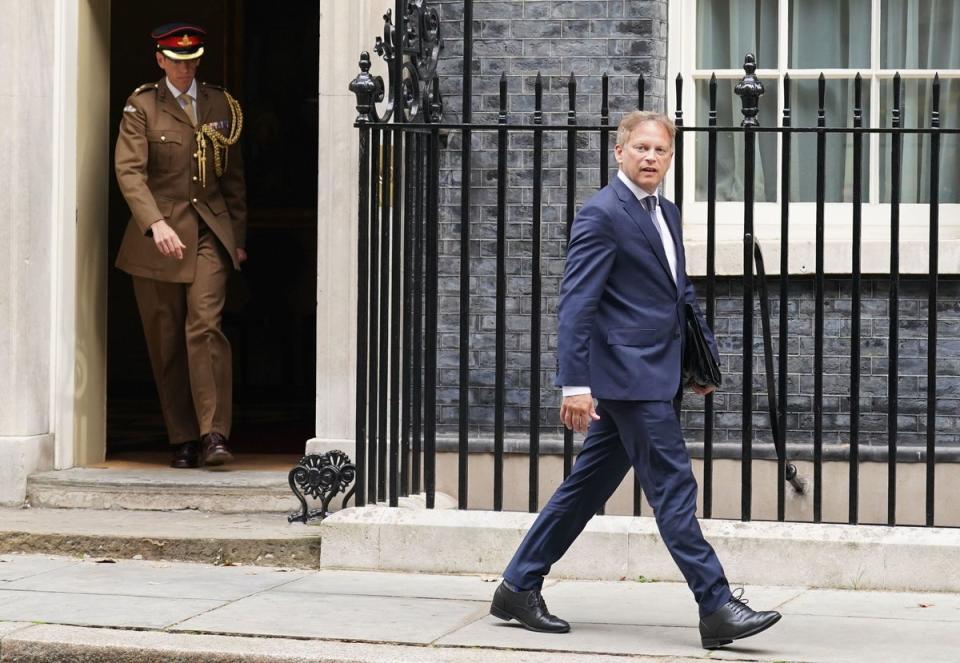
(398, 277)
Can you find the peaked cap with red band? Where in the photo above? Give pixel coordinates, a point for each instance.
(179, 41)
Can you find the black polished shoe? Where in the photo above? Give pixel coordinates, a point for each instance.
(215, 450)
(734, 620)
(528, 608)
(186, 455)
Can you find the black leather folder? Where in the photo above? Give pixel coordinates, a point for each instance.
(699, 365)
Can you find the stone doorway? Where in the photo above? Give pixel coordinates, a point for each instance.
(268, 57)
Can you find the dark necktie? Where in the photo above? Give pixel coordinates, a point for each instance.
(650, 204)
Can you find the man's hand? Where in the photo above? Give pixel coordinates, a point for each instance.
(167, 241)
(241, 255)
(576, 412)
(702, 391)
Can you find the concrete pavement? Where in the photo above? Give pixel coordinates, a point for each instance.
(61, 608)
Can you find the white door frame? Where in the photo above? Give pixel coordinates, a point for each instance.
(80, 190)
(64, 261)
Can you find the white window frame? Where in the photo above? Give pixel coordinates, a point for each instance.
(914, 218)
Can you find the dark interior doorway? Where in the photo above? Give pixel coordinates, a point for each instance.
(267, 56)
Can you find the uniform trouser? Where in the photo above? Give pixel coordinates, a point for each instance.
(188, 351)
(645, 435)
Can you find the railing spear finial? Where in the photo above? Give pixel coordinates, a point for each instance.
(367, 90)
(749, 90)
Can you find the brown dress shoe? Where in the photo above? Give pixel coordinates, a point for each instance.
(215, 450)
(186, 455)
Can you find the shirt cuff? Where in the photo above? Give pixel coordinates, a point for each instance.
(575, 391)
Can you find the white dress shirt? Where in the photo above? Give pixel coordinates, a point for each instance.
(191, 92)
(669, 248)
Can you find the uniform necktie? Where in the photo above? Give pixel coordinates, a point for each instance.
(189, 108)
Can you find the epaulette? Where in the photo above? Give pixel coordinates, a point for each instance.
(144, 88)
(215, 87)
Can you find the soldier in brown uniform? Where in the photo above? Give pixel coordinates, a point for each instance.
(179, 167)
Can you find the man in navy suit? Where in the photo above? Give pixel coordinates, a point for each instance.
(621, 321)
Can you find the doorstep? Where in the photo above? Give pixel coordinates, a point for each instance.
(265, 539)
(163, 489)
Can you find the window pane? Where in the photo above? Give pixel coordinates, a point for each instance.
(839, 163)
(730, 150)
(729, 29)
(920, 34)
(917, 101)
(829, 34)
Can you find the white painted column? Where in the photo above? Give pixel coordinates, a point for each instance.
(346, 29)
(27, 240)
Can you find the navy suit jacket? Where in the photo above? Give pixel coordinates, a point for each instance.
(621, 316)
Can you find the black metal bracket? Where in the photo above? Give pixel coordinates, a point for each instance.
(417, 92)
(321, 477)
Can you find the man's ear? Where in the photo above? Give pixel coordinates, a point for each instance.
(159, 59)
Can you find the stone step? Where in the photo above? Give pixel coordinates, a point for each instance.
(265, 539)
(224, 491)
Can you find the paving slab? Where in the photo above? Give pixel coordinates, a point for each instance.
(340, 617)
(101, 610)
(929, 606)
(815, 639)
(88, 645)
(644, 603)
(418, 585)
(800, 638)
(623, 639)
(15, 567)
(158, 579)
(266, 615)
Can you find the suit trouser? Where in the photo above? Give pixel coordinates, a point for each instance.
(189, 353)
(645, 435)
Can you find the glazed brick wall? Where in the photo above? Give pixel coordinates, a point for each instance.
(519, 38)
(626, 39)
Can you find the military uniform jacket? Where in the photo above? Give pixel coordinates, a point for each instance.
(157, 170)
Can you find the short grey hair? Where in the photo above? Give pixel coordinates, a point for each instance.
(633, 119)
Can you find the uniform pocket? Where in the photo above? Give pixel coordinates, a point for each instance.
(638, 336)
(159, 136)
(163, 148)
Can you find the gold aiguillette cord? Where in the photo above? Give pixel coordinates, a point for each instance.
(219, 142)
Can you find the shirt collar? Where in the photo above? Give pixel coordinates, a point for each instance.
(637, 191)
(191, 92)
